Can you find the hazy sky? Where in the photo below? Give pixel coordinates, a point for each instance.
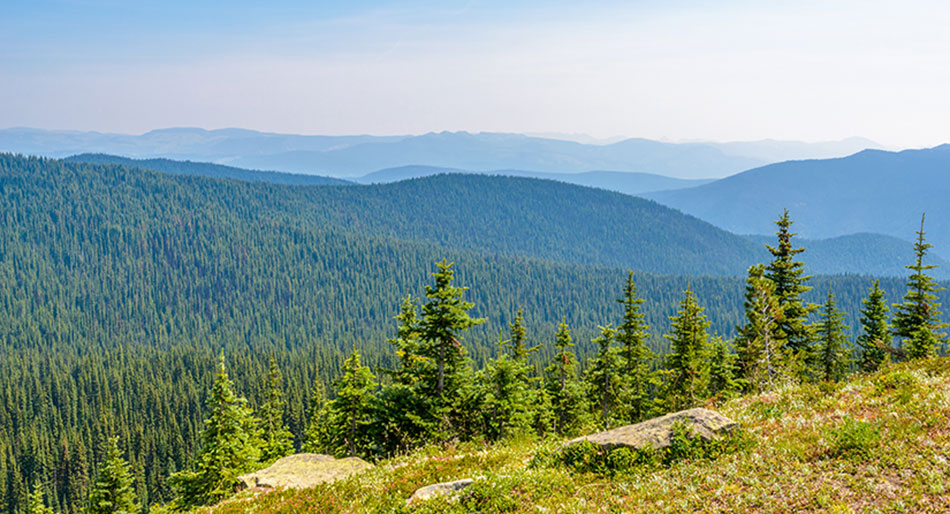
(721, 70)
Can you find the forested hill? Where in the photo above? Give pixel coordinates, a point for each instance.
(871, 191)
(207, 169)
(118, 287)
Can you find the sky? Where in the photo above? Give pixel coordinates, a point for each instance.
(675, 70)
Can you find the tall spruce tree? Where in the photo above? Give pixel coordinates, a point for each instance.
(761, 344)
(722, 369)
(875, 330)
(602, 378)
(444, 317)
(315, 434)
(507, 396)
(230, 445)
(114, 490)
(635, 356)
(413, 367)
(917, 320)
(833, 351)
(352, 412)
(687, 359)
(788, 276)
(566, 392)
(35, 503)
(277, 440)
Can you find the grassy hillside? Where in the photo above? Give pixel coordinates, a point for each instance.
(871, 191)
(875, 444)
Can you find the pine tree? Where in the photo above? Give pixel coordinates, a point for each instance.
(277, 439)
(875, 330)
(832, 344)
(113, 492)
(789, 279)
(230, 445)
(508, 398)
(635, 356)
(917, 320)
(316, 432)
(602, 377)
(761, 344)
(36, 505)
(565, 391)
(444, 317)
(413, 367)
(686, 361)
(722, 369)
(352, 412)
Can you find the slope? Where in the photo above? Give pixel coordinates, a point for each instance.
(874, 444)
(871, 191)
(207, 169)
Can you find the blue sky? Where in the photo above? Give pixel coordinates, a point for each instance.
(682, 70)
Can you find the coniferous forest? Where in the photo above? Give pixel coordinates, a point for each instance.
(162, 334)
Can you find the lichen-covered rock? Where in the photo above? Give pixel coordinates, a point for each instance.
(429, 491)
(657, 432)
(304, 470)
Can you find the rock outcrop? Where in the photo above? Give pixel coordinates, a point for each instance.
(430, 491)
(303, 470)
(657, 432)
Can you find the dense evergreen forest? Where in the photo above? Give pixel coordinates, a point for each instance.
(119, 289)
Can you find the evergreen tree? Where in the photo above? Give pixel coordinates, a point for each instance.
(722, 369)
(688, 341)
(832, 344)
(352, 412)
(917, 320)
(565, 391)
(36, 505)
(635, 356)
(413, 367)
(508, 396)
(230, 445)
(316, 432)
(114, 491)
(603, 389)
(875, 330)
(277, 439)
(444, 317)
(788, 276)
(761, 344)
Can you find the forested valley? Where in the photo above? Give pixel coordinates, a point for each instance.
(126, 294)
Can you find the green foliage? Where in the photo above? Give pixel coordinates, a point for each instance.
(508, 398)
(36, 504)
(317, 423)
(568, 399)
(833, 348)
(875, 334)
(686, 361)
(277, 440)
(723, 380)
(603, 387)
(917, 319)
(113, 492)
(351, 414)
(853, 439)
(761, 345)
(230, 445)
(635, 356)
(789, 279)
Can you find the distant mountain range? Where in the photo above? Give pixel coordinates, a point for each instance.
(871, 191)
(354, 156)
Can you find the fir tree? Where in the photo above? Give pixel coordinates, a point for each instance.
(761, 344)
(230, 445)
(35, 504)
(601, 378)
(635, 356)
(444, 317)
(113, 492)
(413, 367)
(565, 391)
(508, 396)
(917, 320)
(315, 433)
(832, 344)
(277, 439)
(686, 361)
(875, 330)
(722, 369)
(352, 412)
(788, 276)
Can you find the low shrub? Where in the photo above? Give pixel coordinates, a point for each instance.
(853, 439)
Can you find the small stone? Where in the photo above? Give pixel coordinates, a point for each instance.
(433, 490)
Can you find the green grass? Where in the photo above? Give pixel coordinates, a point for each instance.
(878, 443)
